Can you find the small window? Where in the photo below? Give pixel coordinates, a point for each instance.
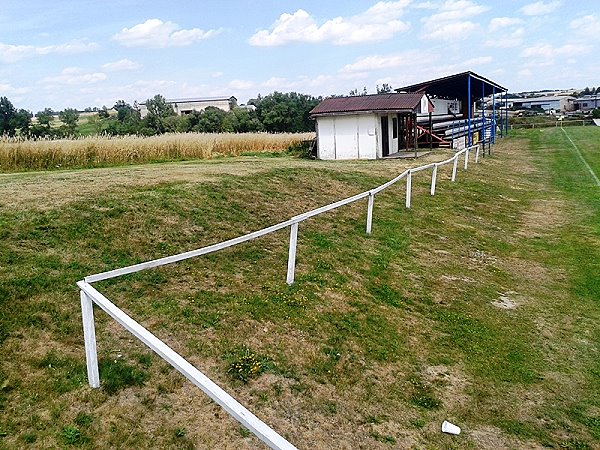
(395, 128)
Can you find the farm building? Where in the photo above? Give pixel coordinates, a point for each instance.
(368, 126)
(437, 113)
(183, 106)
(562, 103)
(586, 103)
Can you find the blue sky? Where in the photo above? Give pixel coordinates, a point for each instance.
(62, 54)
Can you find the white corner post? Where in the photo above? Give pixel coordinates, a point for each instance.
(454, 168)
(467, 157)
(370, 212)
(292, 253)
(408, 188)
(433, 178)
(89, 336)
(477, 153)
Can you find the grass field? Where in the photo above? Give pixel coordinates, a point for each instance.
(479, 305)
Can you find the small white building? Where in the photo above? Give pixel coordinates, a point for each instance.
(368, 126)
(183, 106)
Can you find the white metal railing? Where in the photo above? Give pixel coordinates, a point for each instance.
(89, 295)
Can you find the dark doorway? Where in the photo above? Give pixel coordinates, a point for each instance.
(385, 137)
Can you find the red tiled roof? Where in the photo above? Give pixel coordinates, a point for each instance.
(366, 103)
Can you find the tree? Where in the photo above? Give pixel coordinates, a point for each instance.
(285, 112)
(45, 117)
(158, 110)
(7, 115)
(103, 113)
(211, 120)
(22, 122)
(385, 89)
(69, 117)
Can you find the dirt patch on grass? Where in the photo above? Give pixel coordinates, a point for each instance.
(544, 216)
(492, 438)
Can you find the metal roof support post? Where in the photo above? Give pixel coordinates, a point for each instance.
(494, 115)
(483, 113)
(470, 136)
(506, 113)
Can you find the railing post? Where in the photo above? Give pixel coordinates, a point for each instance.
(89, 336)
(370, 212)
(292, 253)
(467, 157)
(434, 178)
(477, 152)
(454, 168)
(408, 188)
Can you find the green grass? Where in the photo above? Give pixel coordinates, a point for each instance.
(381, 338)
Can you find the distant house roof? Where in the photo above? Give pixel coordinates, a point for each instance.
(547, 98)
(368, 103)
(199, 99)
(456, 86)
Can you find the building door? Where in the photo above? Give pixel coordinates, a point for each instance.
(385, 136)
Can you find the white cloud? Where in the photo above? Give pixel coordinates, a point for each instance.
(241, 84)
(121, 65)
(379, 22)
(379, 62)
(499, 23)
(154, 33)
(540, 8)
(549, 52)
(505, 32)
(74, 76)
(586, 26)
(451, 23)
(8, 89)
(12, 53)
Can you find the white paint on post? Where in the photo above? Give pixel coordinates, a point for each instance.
(408, 188)
(433, 178)
(89, 337)
(454, 167)
(218, 395)
(370, 212)
(467, 157)
(292, 253)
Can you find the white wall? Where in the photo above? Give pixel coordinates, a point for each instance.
(348, 137)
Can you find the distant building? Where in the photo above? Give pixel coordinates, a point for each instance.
(587, 103)
(562, 103)
(183, 106)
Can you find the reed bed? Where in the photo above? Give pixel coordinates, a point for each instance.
(96, 151)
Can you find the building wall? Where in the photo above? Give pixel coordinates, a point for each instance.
(187, 107)
(348, 137)
(182, 108)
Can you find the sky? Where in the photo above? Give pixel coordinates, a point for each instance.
(85, 53)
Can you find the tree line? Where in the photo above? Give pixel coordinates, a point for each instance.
(277, 112)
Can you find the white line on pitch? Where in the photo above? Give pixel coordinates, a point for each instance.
(594, 176)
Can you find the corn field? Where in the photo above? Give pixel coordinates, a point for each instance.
(96, 151)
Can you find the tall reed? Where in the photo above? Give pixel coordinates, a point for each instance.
(95, 151)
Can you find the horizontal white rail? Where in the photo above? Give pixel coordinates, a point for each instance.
(247, 237)
(218, 395)
(182, 256)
